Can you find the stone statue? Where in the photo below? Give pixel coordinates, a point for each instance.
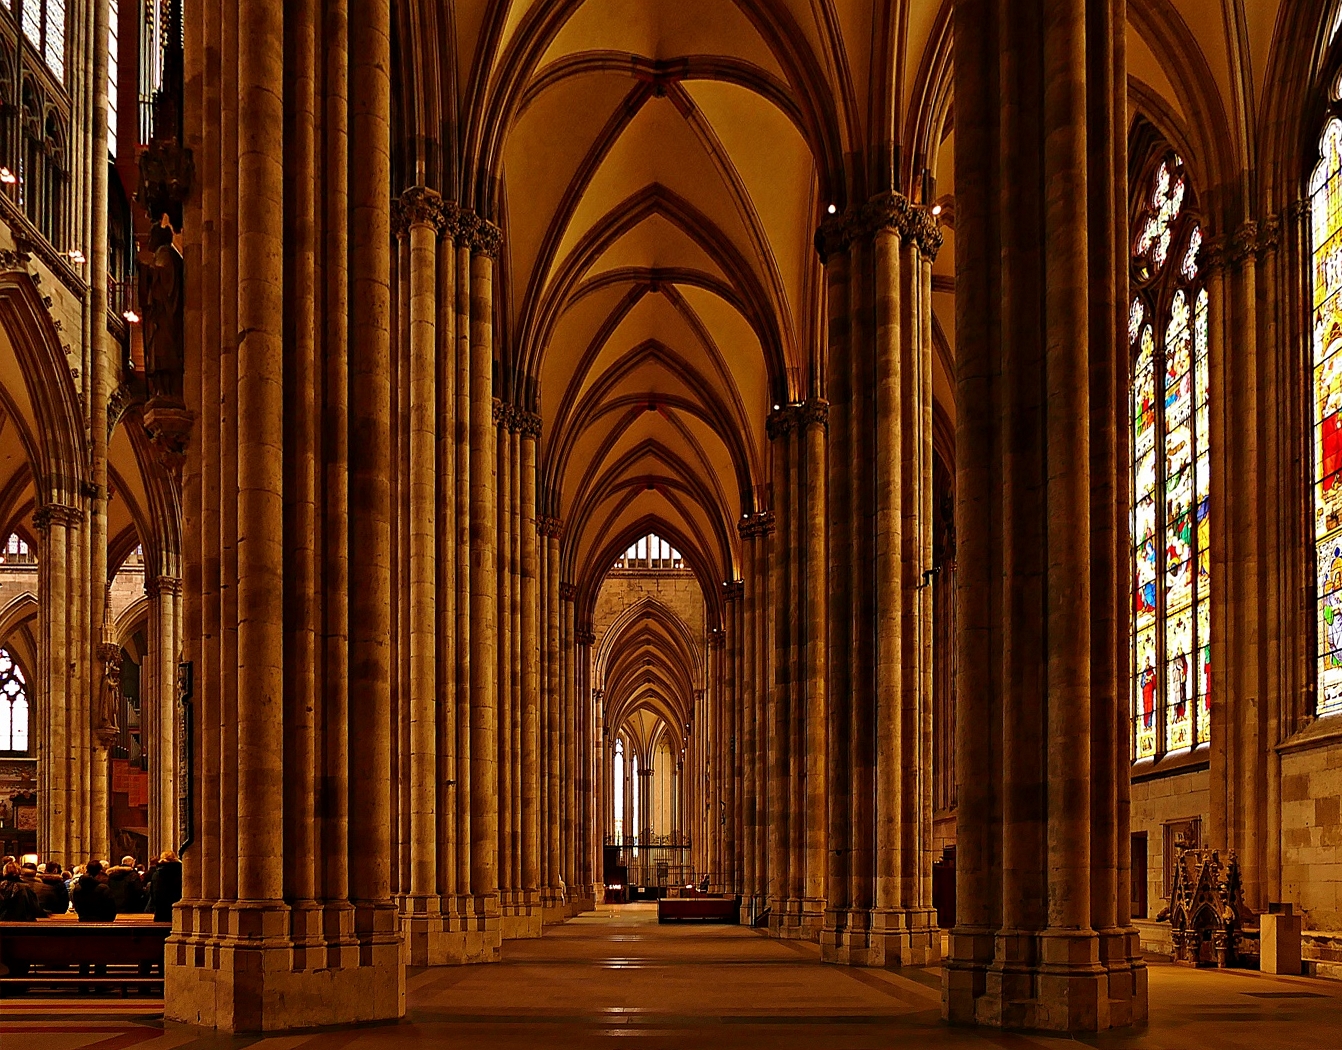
(109, 696)
(161, 286)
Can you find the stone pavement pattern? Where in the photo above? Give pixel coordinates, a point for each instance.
(614, 977)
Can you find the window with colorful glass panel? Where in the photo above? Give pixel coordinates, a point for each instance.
(13, 707)
(1167, 335)
(1325, 202)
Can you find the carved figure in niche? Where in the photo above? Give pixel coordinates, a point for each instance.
(109, 697)
(161, 271)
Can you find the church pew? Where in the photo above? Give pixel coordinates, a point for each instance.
(82, 955)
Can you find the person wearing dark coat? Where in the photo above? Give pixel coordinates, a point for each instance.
(51, 891)
(126, 886)
(167, 886)
(92, 899)
(18, 903)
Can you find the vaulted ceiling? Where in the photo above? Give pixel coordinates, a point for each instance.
(659, 168)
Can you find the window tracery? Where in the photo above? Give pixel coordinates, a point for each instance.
(650, 552)
(14, 708)
(1167, 335)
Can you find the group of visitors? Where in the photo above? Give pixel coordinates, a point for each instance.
(94, 891)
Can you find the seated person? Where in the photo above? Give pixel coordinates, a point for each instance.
(51, 890)
(92, 899)
(18, 903)
(126, 886)
(167, 886)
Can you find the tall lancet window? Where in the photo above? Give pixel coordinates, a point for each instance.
(1167, 334)
(13, 707)
(1325, 202)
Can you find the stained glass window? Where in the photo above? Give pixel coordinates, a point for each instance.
(1167, 335)
(13, 707)
(1325, 191)
(43, 23)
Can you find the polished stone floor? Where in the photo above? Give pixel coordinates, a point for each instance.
(616, 978)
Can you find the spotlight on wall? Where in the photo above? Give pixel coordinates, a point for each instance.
(8, 177)
(833, 210)
(131, 316)
(936, 209)
(75, 256)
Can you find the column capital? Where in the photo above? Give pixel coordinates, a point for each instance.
(834, 236)
(814, 412)
(759, 524)
(733, 590)
(717, 638)
(162, 585)
(782, 420)
(526, 423)
(1244, 241)
(551, 528)
(502, 413)
(568, 592)
(585, 635)
(420, 206)
(56, 514)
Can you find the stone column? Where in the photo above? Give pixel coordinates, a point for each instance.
(552, 899)
(529, 667)
(484, 771)
(1040, 333)
(750, 810)
(814, 423)
(56, 780)
(420, 210)
(165, 594)
(567, 799)
(778, 706)
(584, 815)
(507, 756)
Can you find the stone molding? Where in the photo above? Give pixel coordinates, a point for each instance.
(757, 525)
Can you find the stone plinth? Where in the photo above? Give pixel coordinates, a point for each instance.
(1279, 940)
(244, 978)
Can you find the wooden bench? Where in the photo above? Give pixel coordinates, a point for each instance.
(82, 955)
(699, 909)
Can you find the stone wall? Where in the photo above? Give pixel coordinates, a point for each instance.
(1311, 848)
(1167, 801)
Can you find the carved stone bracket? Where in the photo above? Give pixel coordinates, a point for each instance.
(169, 428)
(14, 259)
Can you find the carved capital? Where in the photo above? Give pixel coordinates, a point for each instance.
(419, 206)
(781, 421)
(527, 423)
(1244, 242)
(717, 638)
(568, 592)
(752, 526)
(585, 635)
(550, 528)
(56, 514)
(502, 413)
(486, 238)
(887, 211)
(834, 236)
(1269, 235)
(733, 590)
(814, 413)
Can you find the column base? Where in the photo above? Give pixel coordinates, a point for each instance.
(1054, 980)
(904, 937)
(552, 904)
(241, 972)
(845, 937)
(520, 914)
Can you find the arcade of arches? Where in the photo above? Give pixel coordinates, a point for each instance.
(881, 459)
